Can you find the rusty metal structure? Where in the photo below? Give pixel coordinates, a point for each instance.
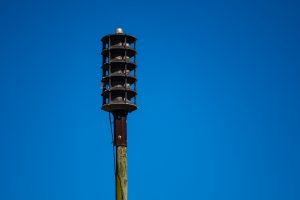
(119, 96)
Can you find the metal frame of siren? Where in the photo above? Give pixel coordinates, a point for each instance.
(119, 96)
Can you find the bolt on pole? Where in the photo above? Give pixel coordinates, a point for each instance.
(119, 96)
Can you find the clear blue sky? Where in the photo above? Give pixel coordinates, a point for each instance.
(219, 112)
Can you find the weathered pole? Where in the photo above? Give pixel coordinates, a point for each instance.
(119, 96)
(120, 142)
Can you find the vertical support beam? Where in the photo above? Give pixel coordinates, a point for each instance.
(121, 173)
(120, 142)
(120, 128)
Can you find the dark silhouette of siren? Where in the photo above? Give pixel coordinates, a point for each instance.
(119, 72)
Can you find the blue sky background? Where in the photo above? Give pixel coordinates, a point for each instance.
(219, 112)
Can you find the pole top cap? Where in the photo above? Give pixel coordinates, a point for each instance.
(119, 31)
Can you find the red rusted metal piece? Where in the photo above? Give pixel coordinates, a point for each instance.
(120, 128)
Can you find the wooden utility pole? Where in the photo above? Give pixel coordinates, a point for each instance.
(120, 142)
(121, 173)
(119, 96)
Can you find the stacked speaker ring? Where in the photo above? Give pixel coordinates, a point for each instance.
(119, 72)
